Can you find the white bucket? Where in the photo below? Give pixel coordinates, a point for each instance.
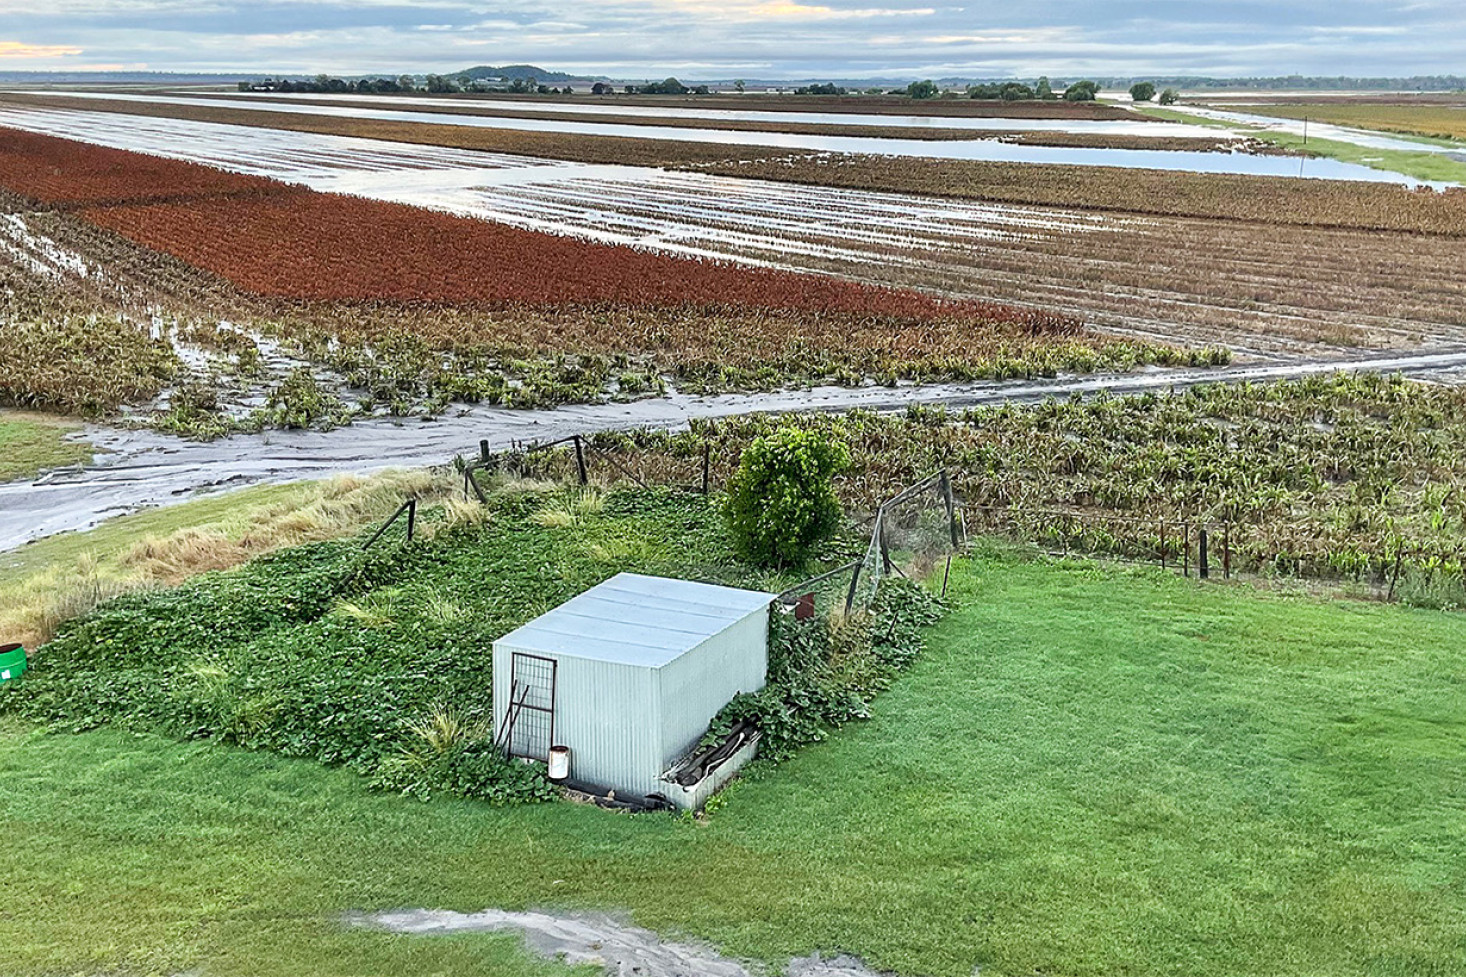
(559, 762)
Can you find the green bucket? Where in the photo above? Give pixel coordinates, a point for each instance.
(12, 662)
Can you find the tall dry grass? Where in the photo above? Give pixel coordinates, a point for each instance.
(34, 607)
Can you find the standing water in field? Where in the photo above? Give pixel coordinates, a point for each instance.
(990, 150)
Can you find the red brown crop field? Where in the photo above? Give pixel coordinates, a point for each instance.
(281, 241)
(306, 245)
(59, 171)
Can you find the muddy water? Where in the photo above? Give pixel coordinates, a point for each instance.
(975, 149)
(140, 469)
(600, 940)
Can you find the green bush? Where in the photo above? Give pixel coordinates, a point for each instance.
(781, 501)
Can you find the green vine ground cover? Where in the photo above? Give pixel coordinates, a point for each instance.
(329, 652)
(1091, 771)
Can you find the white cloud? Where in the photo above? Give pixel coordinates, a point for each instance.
(818, 39)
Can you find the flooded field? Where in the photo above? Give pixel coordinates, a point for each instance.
(1259, 290)
(935, 120)
(977, 149)
(1325, 130)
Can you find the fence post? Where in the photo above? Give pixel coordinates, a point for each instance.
(1202, 570)
(483, 450)
(951, 503)
(1227, 552)
(1399, 555)
(1186, 549)
(881, 535)
(470, 480)
(707, 452)
(580, 460)
(1163, 543)
(411, 517)
(850, 595)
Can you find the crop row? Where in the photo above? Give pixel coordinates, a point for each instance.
(1336, 477)
(1265, 200)
(275, 240)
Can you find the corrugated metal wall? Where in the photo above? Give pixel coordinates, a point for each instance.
(695, 686)
(605, 713)
(626, 725)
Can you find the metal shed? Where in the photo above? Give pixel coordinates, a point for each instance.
(628, 675)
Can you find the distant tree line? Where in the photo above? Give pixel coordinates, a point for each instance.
(667, 86)
(432, 84)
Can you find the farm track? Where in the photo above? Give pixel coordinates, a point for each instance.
(139, 469)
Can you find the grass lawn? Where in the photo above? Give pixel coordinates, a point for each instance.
(1092, 771)
(33, 443)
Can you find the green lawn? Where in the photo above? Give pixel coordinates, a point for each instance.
(1091, 772)
(33, 443)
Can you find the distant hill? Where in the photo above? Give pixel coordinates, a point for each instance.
(520, 72)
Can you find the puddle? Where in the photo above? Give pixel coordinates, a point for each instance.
(600, 939)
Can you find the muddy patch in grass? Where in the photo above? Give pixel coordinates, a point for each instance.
(601, 939)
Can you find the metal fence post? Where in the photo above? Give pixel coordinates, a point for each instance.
(580, 460)
(1202, 570)
(707, 451)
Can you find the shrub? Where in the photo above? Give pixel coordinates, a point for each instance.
(1142, 91)
(823, 672)
(781, 500)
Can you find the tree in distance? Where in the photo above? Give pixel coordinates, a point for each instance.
(1142, 91)
(1081, 91)
(1170, 97)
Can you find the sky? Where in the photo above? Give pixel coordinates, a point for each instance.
(702, 39)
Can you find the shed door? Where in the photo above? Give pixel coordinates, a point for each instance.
(531, 718)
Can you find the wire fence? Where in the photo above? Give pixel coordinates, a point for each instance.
(915, 532)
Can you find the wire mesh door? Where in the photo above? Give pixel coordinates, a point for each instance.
(531, 706)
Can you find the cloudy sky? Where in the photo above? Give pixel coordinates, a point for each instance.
(743, 38)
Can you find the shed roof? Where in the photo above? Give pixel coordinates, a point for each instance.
(633, 619)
